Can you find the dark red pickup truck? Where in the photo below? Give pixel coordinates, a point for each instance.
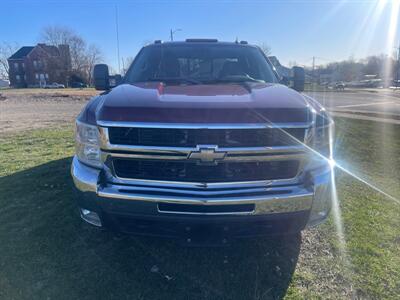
(200, 140)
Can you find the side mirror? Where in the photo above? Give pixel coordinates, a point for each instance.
(299, 77)
(101, 77)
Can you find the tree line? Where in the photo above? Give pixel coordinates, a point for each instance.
(381, 66)
(85, 55)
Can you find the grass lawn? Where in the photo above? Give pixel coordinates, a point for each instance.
(47, 252)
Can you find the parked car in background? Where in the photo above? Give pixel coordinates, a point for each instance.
(366, 83)
(396, 83)
(339, 86)
(4, 83)
(80, 85)
(54, 85)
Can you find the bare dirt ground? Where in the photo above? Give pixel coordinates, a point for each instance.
(22, 109)
(37, 108)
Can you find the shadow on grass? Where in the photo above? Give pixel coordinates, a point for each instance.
(48, 252)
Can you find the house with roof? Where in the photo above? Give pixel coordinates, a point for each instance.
(36, 66)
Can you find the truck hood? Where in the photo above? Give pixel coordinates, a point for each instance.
(213, 103)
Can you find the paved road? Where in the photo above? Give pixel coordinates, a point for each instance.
(372, 101)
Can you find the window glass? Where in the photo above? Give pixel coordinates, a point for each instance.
(200, 62)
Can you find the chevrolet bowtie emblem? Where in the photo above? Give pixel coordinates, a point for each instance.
(207, 154)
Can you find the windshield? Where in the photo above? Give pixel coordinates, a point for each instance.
(204, 63)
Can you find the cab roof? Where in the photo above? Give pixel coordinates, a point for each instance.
(199, 41)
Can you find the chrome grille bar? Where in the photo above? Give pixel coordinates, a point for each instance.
(233, 154)
(106, 124)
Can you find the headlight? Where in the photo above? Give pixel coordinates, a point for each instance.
(87, 141)
(322, 140)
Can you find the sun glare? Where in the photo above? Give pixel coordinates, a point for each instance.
(394, 18)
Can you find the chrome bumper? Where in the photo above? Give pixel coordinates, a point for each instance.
(268, 198)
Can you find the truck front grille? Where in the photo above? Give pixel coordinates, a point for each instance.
(191, 172)
(177, 137)
(190, 153)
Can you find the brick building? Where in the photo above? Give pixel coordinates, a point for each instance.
(35, 66)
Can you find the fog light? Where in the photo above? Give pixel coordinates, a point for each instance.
(91, 217)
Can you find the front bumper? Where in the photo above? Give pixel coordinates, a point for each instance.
(246, 210)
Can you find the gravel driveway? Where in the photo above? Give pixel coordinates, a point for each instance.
(36, 108)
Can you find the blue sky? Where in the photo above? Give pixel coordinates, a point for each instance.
(295, 30)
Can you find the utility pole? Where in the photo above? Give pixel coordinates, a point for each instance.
(313, 68)
(117, 32)
(171, 33)
(398, 67)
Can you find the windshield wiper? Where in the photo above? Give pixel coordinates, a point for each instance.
(243, 80)
(175, 80)
(236, 79)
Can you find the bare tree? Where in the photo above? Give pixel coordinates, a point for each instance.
(57, 35)
(83, 56)
(6, 50)
(93, 56)
(266, 49)
(77, 49)
(112, 70)
(126, 64)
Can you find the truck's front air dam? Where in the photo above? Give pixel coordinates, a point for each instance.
(315, 198)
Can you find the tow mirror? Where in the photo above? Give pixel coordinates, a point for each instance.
(299, 78)
(101, 77)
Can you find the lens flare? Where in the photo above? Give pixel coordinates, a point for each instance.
(332, 162)
(393, 25)
(337, 218)
(368, 24)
